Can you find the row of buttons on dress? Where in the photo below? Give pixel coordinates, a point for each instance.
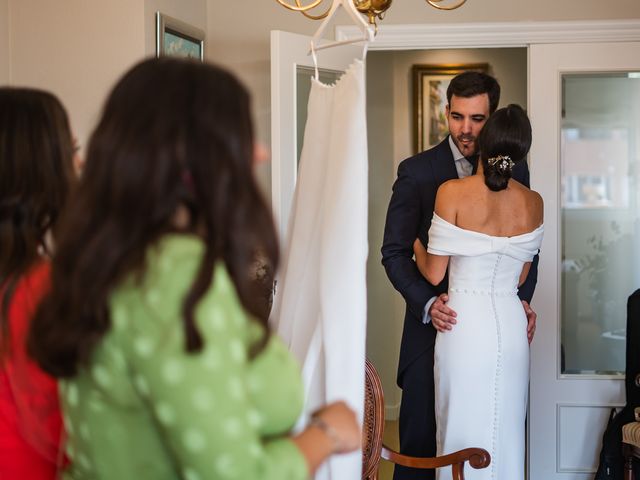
(503, 293)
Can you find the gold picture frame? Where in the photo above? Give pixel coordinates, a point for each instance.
(430, 84)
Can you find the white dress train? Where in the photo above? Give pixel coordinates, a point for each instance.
(482, 365)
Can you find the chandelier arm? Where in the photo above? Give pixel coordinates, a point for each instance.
(434, 3)
(313, 17)
(298, 7)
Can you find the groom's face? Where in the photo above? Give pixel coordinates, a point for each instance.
(466, 117)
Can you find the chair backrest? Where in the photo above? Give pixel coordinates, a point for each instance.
(373, 449)
(373, 425)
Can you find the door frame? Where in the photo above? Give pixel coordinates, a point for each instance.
(496, 35)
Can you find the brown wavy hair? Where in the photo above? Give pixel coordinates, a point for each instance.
(36, 175)
(173, 132)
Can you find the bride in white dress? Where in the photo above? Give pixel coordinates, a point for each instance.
(486, 229)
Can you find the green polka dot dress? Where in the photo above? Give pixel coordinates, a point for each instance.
(145, 409)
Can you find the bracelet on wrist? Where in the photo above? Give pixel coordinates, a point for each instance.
(328, 430)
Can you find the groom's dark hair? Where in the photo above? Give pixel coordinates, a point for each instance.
(469, 84)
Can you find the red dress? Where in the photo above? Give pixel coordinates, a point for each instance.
(30, 421)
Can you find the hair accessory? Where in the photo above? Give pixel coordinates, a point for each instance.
(503, 163)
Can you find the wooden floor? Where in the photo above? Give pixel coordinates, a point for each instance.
(392, 440)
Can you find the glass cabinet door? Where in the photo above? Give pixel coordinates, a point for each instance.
(600, 218)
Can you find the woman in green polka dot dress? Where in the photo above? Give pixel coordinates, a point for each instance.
(154, 324)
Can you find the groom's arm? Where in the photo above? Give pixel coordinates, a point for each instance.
(525, 292)
(401, 229)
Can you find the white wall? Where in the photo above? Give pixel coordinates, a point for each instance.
(80, 49)
(76, 50)
(4, 42)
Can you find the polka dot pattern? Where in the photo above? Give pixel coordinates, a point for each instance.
(202, 399)
(214, 407)
(166, 413)
(236, 350)
(194, 440)
(173, 371)
(190, 474)
(224, 465)
(141, 384)
(72, 394)
(212, 359)
(101, 376)
(143, 346)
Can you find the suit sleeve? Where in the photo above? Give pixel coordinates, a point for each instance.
(402, 225)
(525, 292)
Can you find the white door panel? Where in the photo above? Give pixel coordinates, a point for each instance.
(569, 407)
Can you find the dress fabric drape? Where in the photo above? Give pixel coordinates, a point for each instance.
(320, 303)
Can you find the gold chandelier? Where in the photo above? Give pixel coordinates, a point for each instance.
(371, 8)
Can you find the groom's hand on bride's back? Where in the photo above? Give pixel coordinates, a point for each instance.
(442, 317)
(531, 320)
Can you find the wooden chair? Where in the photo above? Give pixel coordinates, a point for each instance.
(631, 442)
(373, 448)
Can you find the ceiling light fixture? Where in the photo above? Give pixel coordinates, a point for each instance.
(373, 9)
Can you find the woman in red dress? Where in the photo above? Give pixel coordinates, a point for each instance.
(36, 173)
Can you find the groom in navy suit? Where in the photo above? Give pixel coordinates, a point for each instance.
(471, 98)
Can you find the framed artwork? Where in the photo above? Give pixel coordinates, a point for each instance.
(178, 39)
(430, 84)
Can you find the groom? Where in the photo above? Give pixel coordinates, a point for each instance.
(471, 98)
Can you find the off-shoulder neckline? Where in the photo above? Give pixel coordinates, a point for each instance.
(536, 230)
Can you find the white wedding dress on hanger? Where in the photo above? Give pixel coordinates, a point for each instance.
(482, 365)
(320, 303)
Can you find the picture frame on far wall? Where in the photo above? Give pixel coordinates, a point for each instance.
(176, 38)
(430, 84)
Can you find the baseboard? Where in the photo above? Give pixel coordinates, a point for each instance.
(392, 412)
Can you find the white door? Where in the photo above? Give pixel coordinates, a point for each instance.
(291, 71)
(584, 103)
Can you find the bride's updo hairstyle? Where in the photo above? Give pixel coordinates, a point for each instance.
(503, 143)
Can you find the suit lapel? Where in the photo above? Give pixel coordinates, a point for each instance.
(444, 167)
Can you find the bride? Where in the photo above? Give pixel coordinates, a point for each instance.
(486, 229)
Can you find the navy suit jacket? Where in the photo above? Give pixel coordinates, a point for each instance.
(408, 217)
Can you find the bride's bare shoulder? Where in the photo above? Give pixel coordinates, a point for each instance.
(534, 205)
(448, 198)
(450, 186)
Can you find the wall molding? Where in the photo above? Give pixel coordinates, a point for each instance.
(496, 35)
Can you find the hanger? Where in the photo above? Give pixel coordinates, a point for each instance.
(367, 36)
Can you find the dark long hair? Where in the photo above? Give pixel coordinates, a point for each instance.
(36, 174)
(506, 133)
(173, 132)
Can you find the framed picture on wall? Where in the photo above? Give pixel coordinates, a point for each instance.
(430, 84)
(176, 38)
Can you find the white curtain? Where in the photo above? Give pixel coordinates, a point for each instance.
(320, 303)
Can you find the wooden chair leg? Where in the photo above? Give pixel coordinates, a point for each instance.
(627, 452)
(458, 471)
